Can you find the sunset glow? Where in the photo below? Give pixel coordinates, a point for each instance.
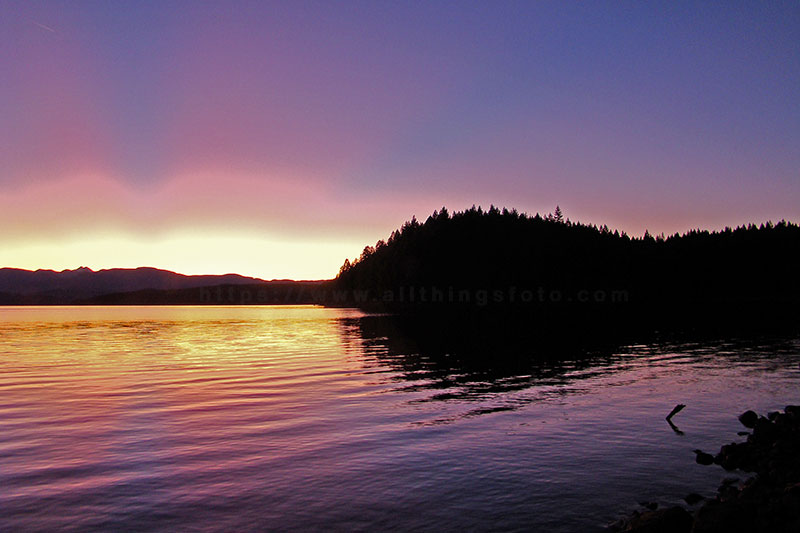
(277, 139)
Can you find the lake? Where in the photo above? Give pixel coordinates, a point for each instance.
(298, 418)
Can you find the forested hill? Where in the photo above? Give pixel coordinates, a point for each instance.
(500, 258)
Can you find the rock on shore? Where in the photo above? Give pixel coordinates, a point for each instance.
(767, 502)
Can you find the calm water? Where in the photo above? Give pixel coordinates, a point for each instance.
(157, 418)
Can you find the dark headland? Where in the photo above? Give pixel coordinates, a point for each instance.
(498, 266)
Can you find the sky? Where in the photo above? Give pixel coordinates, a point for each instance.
(275, 139)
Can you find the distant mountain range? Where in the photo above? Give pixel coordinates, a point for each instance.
(48, 287)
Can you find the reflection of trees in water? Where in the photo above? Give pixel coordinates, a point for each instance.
(759, 353)
(504, 372)
(494, 370)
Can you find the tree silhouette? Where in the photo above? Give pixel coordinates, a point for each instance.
(557, 215)
(345, 267)
(699, 275)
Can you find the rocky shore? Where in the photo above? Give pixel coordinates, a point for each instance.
(767, 501)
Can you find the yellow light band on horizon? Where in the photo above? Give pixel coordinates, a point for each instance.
(186, 252)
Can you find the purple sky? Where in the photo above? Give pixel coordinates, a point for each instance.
(276, 139)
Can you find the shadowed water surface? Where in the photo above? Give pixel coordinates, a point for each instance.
(212, 419)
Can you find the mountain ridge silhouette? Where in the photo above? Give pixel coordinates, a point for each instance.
(53, 287)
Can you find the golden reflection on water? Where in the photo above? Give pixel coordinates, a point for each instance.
(107, 394)
(196, 357)
(205, 337)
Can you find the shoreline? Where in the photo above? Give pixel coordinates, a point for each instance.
(767, 501)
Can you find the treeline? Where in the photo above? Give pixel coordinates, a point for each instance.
(504, 258)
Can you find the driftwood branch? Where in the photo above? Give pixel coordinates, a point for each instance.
(677, 409)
